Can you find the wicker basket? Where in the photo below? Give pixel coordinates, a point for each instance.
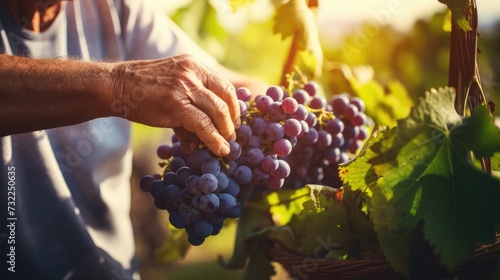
(480, 266)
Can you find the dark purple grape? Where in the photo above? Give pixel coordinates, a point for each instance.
(338, 103)
(243, 174)
(234, 151)
(359, 119)
(145, 183)
(311, 88)
(317, 102)
(207, 183)
(359, 103)
(334, 126)
(170, 194)
(227, 203)
(164, 151)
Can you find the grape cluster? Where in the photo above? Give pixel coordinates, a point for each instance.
(285, 139)
(195, 190)
(336, 130)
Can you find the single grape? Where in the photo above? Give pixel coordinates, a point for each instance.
(282, 147)
(197, 157)
(233, 188)
(275, 112)
(334, 126)
(243, 93)
(210, 165)
(311, 88)
(182, 174)
(145, 183)
(243, 174)
(274, 131)
(222, 181)
(203, 228)
(301, 113)
(236, 212)
(217, 227)
(214, 217)
(359, 119)
(301, 96)
(177, 220)
(350, 111)
(254, 142)
(359, 103)
(161, 204)
(258, 125)
(227, 203)
(363, 133)
(338, 103)
(275, 183)
(192, 184)
(234, 151)
(269, 163)
(243, 133)
(207, 183)
(317, 102)
(208, 202)
(311, 119)
(292, 127)
(164, 151)
(324, 139)
(262, 103)
(243, 107)
(195, 240)
(275, 92)
(310, 137)
(176, 163)
(351, 132)
(254, 156)
(156, 188)
(259, 176)
(289, 105)
(338, 140)
(170, 193)
(282, 171)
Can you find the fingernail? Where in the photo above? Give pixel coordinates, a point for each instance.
(224, 150)
(237, 123)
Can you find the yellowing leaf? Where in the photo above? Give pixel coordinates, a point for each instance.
(295, 18)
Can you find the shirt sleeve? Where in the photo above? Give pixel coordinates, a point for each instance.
(148, 33)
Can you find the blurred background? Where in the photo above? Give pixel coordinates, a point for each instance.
(387, 40)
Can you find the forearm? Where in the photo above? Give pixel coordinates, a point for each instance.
(38, 94)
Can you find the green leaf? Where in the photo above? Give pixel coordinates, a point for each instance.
(428, 175)
(479, 133)
(322, 229)
(358, 174)
(286, 203)
(458, 8)
(295, 18)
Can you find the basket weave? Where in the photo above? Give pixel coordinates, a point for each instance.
(481, 265)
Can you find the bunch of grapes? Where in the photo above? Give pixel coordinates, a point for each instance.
(336, 130)
(285, 139)
(195, 190)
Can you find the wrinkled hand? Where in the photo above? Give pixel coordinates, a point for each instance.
(181, 93)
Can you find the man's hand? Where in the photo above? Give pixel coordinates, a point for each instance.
(180, 93)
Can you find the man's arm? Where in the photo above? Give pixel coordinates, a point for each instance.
(172, 92)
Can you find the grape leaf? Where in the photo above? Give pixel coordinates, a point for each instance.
(428, 175)
(458, 8)
(358, 174)
(322, 228)
(295, 18)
